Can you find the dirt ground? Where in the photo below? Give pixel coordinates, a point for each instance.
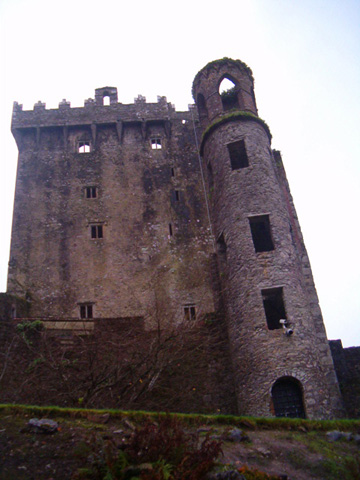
(25, 455)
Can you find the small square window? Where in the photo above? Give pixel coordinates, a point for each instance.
(156, 143)
(189, 312)
(84, 147)
(238, 155)
(91, 192)
(274, 307)
(261, 233)
(96, 231)
(86, 310)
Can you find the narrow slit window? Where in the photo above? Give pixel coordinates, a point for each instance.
(201, 105)
(84, 147)
(91, 192)
(274, 307)
(210, 177)
(221, 246)
(177, 195)
(238, 155)
(189, 312)
(261, 233)
(156, 143)
(86, 311)
(172, 172)
(96, 231)
(170, 230)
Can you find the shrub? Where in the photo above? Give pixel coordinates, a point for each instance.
(168, 442)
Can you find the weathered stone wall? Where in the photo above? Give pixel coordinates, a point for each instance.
(137, 268)
(347, 367)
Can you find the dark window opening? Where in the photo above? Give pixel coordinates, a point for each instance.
(172, 172)
(238, 155)
(96, 231)
(91, 192)
(84, 147)
(229, 95)
(177, 195)
(261, 233)
(189, 312)
(86, 311)
(156, 143)
(253, 94)
(210, 177)
(274, 307)
(201, 105)
(221, 246)
(170, 230)
(287, 398)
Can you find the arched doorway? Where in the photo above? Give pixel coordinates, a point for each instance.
(287, 398)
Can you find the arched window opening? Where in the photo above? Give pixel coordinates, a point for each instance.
(228, 93)
(84, 147)
(106, 99)
(287, 398)
(201, 105)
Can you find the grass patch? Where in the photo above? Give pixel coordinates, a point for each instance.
(229, 117)
(247, 423)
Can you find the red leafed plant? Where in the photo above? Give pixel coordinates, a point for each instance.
(168, 441)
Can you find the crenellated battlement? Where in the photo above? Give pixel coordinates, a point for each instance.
(95, 111)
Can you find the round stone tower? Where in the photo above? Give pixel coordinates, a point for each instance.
(281, 358)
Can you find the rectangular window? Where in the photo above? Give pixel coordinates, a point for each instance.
(86, 310)
(177, 195)
(156, 143)
(170, 230)
(189, 312)
(274, 307)
(172, 172)
(84, 147)
(261, 233)
(91, 192)
(238, 155)
(96, 231)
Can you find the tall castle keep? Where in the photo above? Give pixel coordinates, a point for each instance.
(142, 211)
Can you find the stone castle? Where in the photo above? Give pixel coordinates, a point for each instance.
(125, 211)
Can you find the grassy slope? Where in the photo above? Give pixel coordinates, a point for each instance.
(294, 447)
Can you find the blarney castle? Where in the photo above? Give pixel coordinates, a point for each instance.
(118, 206)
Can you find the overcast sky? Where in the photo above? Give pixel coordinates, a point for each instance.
(305, 59)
